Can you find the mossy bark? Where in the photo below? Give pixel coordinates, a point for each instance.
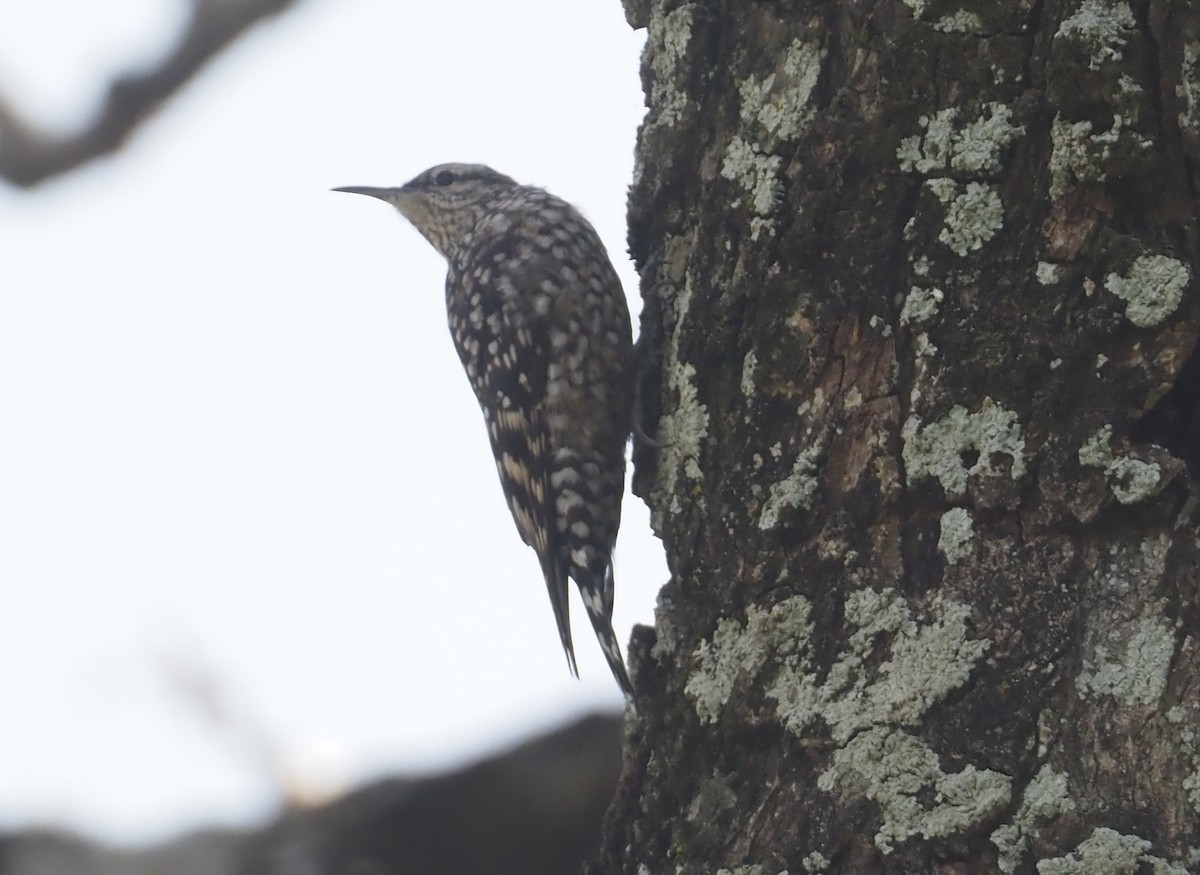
(921, 305)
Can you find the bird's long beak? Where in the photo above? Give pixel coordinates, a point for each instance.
(411, 204)
(384, 194)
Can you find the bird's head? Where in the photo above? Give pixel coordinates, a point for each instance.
(445, 201)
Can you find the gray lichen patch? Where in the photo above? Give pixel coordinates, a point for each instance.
(974, 213)
(682, 430)
(924, 349)
(1044, 798)
(1102, 27)
(1047, 273)
(795, 490)
(1189, 745)
(978, 146)
(916, 797)
(758, 174)
(866, 701)
(1075, 155)
(774, 108)
(739, 650)
(1192, 785)
(1130, 479)
(666, 635)
(1188, 89)
(815, 863)
(1152, 288)
(937, 450)
(749, 366)
(927, 661)
(1139, 676)
(972, 219)
(1104, 852)
(1129, 85)
(929, 152)
(973, 148)
(1078, 155)
(666, 46)
(921, 305)
(1161, 866)
(780, 103)
(1096, 452)
(958, 531)
(961, 21)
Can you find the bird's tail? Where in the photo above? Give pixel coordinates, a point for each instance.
(597, 592)
(555, 571)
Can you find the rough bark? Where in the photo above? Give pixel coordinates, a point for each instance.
(920, 316)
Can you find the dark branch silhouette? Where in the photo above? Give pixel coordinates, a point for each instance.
(29, 156)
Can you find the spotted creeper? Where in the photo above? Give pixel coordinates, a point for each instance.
(540, 323)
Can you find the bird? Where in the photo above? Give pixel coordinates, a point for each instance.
(540, 322)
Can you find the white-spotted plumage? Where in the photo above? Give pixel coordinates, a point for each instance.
(540, 323)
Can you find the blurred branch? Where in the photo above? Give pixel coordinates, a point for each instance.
(211, 695)
(29, 156)
(533, 810)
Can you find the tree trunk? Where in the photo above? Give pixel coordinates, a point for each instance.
(920, 310)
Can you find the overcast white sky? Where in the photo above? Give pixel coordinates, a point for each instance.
(237, 441)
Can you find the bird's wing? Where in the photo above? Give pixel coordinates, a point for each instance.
(508, 361)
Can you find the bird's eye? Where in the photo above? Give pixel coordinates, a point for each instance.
(445, 177)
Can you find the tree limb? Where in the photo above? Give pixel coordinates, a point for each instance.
(29, 156)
